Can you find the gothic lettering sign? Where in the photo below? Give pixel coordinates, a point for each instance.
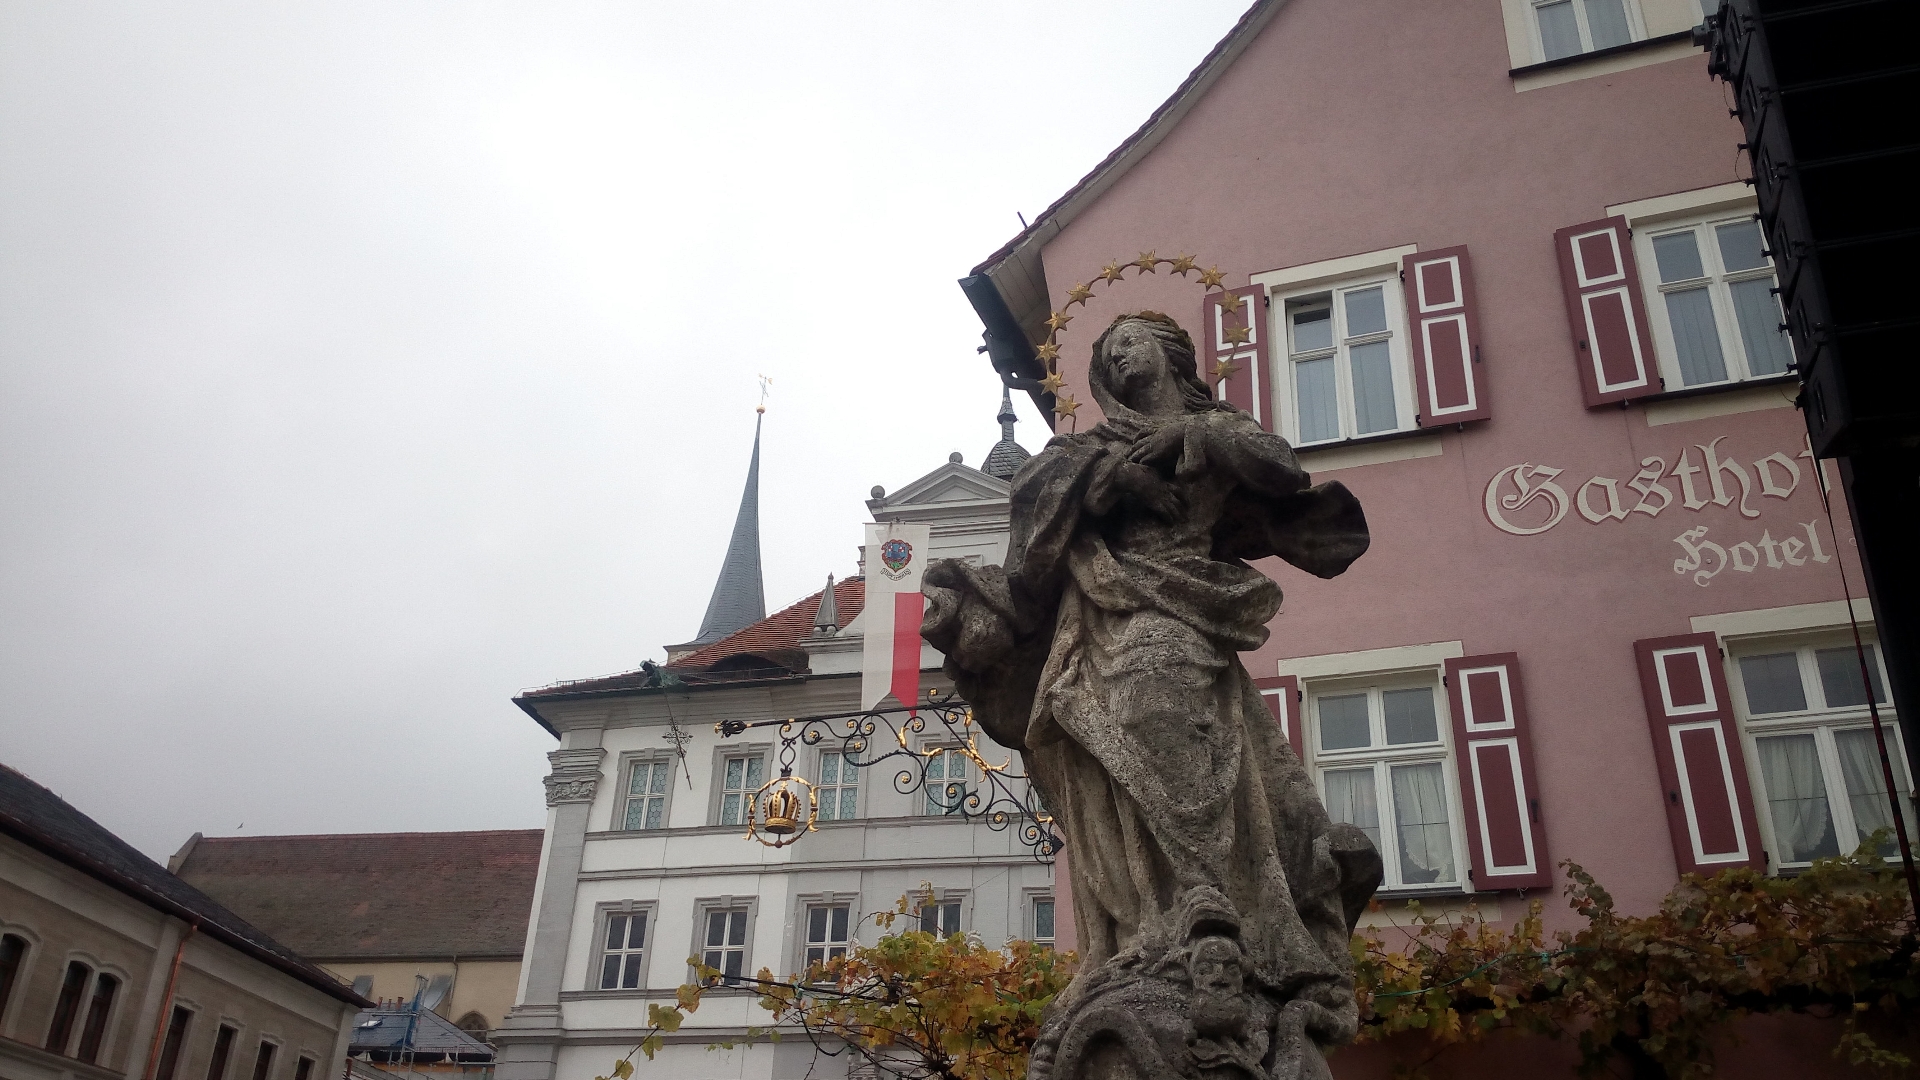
(1529, 498)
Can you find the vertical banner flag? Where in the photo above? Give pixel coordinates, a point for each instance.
(896, 554)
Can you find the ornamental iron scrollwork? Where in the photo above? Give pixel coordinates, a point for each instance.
(787, 807)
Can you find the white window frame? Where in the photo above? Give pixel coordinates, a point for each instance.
(1818, 720)
(717, 805)
(1281, 352)
(827, 945)
(1718, 282)
(604, 916)
(629, 762)
(1034, 898)
(703, 910)
(1382, 757)
(822, 789)
(943, 902)
(949, 753)
(1636, 27)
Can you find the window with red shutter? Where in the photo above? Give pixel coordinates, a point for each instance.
(1506, 838)
(1445, 336)
(1282, 696)
(1234, 333)
(1611, 345)
(1703, 774)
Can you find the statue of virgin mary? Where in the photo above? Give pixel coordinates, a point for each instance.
(1106, 651)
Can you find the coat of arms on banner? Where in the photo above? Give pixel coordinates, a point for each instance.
(896, 555)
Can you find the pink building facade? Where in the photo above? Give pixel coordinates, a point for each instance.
(1506, 285)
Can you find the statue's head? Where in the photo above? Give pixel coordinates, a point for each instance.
(1138, 357)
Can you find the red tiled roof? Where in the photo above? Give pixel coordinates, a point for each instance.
(365, 895)
(784, 629)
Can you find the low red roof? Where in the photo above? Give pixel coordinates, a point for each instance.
(367, 895)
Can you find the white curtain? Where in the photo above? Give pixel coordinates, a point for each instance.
(1351, 798)
(1866, 784)
(1797, 797)
(1421, 824)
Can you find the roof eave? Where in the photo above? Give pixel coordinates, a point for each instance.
(1016, 271)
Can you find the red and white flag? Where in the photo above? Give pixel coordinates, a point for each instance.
(896, 554)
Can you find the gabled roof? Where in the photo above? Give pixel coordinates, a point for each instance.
(367, 895)
(772, 647)
(40, 819)
(1016, 270)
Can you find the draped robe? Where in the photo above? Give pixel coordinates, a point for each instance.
(1106, 651)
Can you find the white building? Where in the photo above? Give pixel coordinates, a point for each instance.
(646, 861)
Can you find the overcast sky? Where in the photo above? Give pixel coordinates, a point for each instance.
(364, 364)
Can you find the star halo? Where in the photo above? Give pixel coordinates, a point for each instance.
(1064, 404)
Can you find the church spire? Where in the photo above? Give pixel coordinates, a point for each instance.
(739, 598)
(1007, 456)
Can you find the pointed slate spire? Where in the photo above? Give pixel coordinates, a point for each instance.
(826, 621)
(1007, 456)
(739, 598)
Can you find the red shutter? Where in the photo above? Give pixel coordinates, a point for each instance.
(1282, 696)
(1245, 385)
(1703, 774)
(1609, 321)
(1446, 336)
(1505, 835)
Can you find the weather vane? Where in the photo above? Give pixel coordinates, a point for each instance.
(766, 385)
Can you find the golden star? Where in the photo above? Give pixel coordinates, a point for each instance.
(1048, 352)
(1111, 271)
(1057, 320)
(1079, 294)
(1231, 302)
(1238, 335)
(1183, 264)
(1147, 261)
(1064, 405)
(1211, 276)
(1224, 370)
(1052, 383)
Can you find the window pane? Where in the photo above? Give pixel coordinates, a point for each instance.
(1043, 920)
(637, 781)
(1559, 33)
(1351, 799)
(630, 979)
(735, 960)
(616, 931)
(1373, 388)
(1343, 722)
(840, 915)
(1773, 683)
(950, 915)
(1740, 246)
(655, 807)
(1867, 786)
(660, 771)
(639, 935)
(730, 810)
(1840, 676)
(1421, 824)
(829, 768)
(1754, 308)
(1312, 330)
(739, 936)
(636, 814)
(735, 768)
(1678, 256)
(816, 924)
(1797, 798)
(816, 956)
(1317, 399)
(1607, 19)
(1410, 717)
(1696, 340)
(753, 772)
(717, 929)
(1366, 311)
(849, 801)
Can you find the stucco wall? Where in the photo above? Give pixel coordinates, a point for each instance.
(66, 915)
(1350, 128)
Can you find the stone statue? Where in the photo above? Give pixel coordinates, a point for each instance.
(1214, 898)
